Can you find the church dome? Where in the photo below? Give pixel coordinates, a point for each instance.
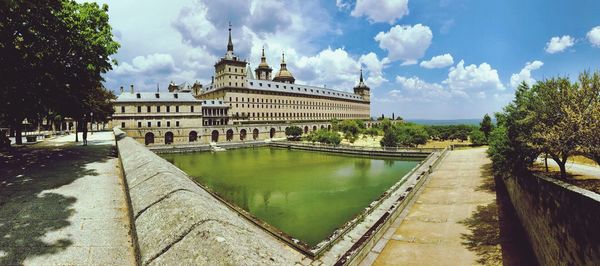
(284, 75)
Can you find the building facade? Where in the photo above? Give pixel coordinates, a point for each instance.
(238, 105)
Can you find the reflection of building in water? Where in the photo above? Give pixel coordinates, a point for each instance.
(238, 103)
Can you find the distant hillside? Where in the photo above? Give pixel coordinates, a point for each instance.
(474, 121)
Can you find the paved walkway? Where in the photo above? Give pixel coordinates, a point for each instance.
(63, 204)
(452, 220)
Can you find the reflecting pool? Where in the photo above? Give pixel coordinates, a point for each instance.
(303, 193)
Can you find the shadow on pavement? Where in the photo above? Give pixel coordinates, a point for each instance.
(495, 233)
(28, 212)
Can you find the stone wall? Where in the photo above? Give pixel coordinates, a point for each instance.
(561, 220)
(177, 222)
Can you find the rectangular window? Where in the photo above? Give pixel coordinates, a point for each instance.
(168, 123)
(122, 109)
(139, 124)
(192, 108)
(158, 109)
(158, 124)
(168, 108)
(149, 124)
(147, 109)
(122, 124)
(177, 109)
(176, 123)
(139, 109)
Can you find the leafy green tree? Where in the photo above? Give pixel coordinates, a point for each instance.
(52, 53)
(293, 132)
(412, 135)
(390, 138)
(486, 125)
(477, 138)
(324, 136)
(372, 132)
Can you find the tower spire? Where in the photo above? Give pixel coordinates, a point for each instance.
(361, 77)
(230, 43)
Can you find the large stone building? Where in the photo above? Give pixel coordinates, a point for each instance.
(236, 104)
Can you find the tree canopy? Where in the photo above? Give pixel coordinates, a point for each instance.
(54, 53)
(555, 117)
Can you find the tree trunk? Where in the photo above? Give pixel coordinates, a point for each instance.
(563, 170)
(546, 163)
(18, 134)
(76, 131)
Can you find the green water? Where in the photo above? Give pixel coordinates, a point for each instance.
(305, 194)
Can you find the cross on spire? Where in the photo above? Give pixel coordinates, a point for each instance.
(230, 43)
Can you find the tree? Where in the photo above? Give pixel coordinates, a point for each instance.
(560, 109)
(293, 132)
(390, 138)
(51, 53)
(486, 125)
(372, 132)
(591, 117)
(351, 129)
(477, 137)
(412, 135)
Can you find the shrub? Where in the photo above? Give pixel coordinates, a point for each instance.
(293, 132)
(477, 137)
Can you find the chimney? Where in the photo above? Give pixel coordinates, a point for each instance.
(121, 89)
(131, 88)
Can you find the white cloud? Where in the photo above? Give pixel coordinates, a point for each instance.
(380, 10)
(594, 36)
(439, 61)
(147, 65)
(406, 43)
(525, 74)
(342, 4)
(473, 77)
(334, 68)
(374, 68)
(559, 44)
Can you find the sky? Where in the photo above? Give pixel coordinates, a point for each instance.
(428, 59)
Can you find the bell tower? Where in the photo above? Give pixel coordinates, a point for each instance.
(230, 71)
(362, 89)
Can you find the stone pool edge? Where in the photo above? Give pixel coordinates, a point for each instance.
(177, 221)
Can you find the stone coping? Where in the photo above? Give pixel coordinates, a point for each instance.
(178, 222)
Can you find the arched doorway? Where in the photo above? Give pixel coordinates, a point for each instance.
(149, 138)
(243, 134)
(272, 133)
(255, 134)
(322, 126)
(305, 129)
(314, 128)
(229, 135)
(169, 138)
(215, 136)
(193, 136)
(329, 127)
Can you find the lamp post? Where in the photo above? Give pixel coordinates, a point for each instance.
(91, 123)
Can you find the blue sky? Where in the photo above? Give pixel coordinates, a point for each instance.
(431, 59)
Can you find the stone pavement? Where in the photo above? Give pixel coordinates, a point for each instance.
(452, 221)
(64, 204)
